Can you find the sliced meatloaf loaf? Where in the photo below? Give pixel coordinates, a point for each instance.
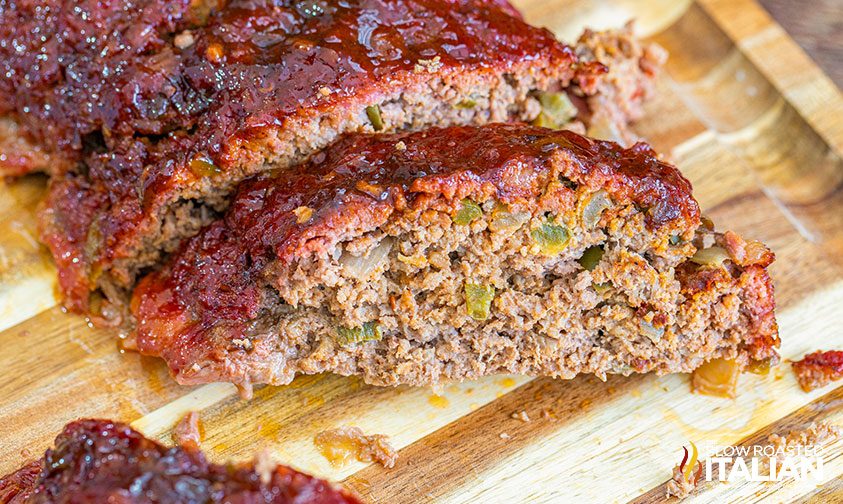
(98, 461)
(455, 253)
(192, 109)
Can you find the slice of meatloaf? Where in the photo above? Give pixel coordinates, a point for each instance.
(455, 253)
(188, 110)
(97, 461)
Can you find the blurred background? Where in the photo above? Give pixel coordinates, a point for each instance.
(817, 26)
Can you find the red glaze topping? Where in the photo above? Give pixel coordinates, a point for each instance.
(818, 369)
(123, 68)
(219, 277)
(98, 461)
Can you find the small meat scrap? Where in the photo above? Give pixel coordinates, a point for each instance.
(340, 444)
(680, 487)
(818, 369)
(521, 415)
(686, 475)
(188, 433)
(816, 434)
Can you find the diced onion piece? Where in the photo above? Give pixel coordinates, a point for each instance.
(602, 128)
(760, 367)
(370, 331)
(711, 256)
(591, 257)
(468, 212)
(360, 267)
(504, 220)
(374, 114)
(202, 167)
(478, 300)
(652, 332)
(552, 238)
(557, 110)
(592, 210)
(717, 377)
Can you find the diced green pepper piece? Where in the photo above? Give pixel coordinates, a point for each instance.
(478, 300)
(370, 331)
(468, 103)
(602, 288)
(374, 114)
(557, 110)
(468, 212)
(551, 237)
(544, 121)
(591, 257)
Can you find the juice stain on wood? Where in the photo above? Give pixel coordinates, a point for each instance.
(438, 401)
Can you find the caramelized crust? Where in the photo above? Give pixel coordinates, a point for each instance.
(153, 67)
(98, 461)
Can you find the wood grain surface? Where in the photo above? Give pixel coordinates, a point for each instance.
(752, 122)
(817, 26)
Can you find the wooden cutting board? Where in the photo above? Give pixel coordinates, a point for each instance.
(749, 119)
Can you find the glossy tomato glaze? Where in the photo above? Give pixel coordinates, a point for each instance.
(818, 369)
(138, 108)
(217, 279)
(98, 461)
(78, 67)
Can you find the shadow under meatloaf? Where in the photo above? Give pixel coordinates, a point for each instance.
(192, 107)
(96, 461)
(455, 253)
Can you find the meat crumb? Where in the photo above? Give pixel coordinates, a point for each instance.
(816, 434)
(183, 40)
(521, 415)
(818, 369)
(680, 487)
(340, 444)
(188, 432)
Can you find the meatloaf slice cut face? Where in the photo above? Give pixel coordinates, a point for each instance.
(96, 461)
(455, 253)
(263, 85)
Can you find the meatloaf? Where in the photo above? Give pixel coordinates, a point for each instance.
(156, 112)
(96, 461)
(454, 253)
